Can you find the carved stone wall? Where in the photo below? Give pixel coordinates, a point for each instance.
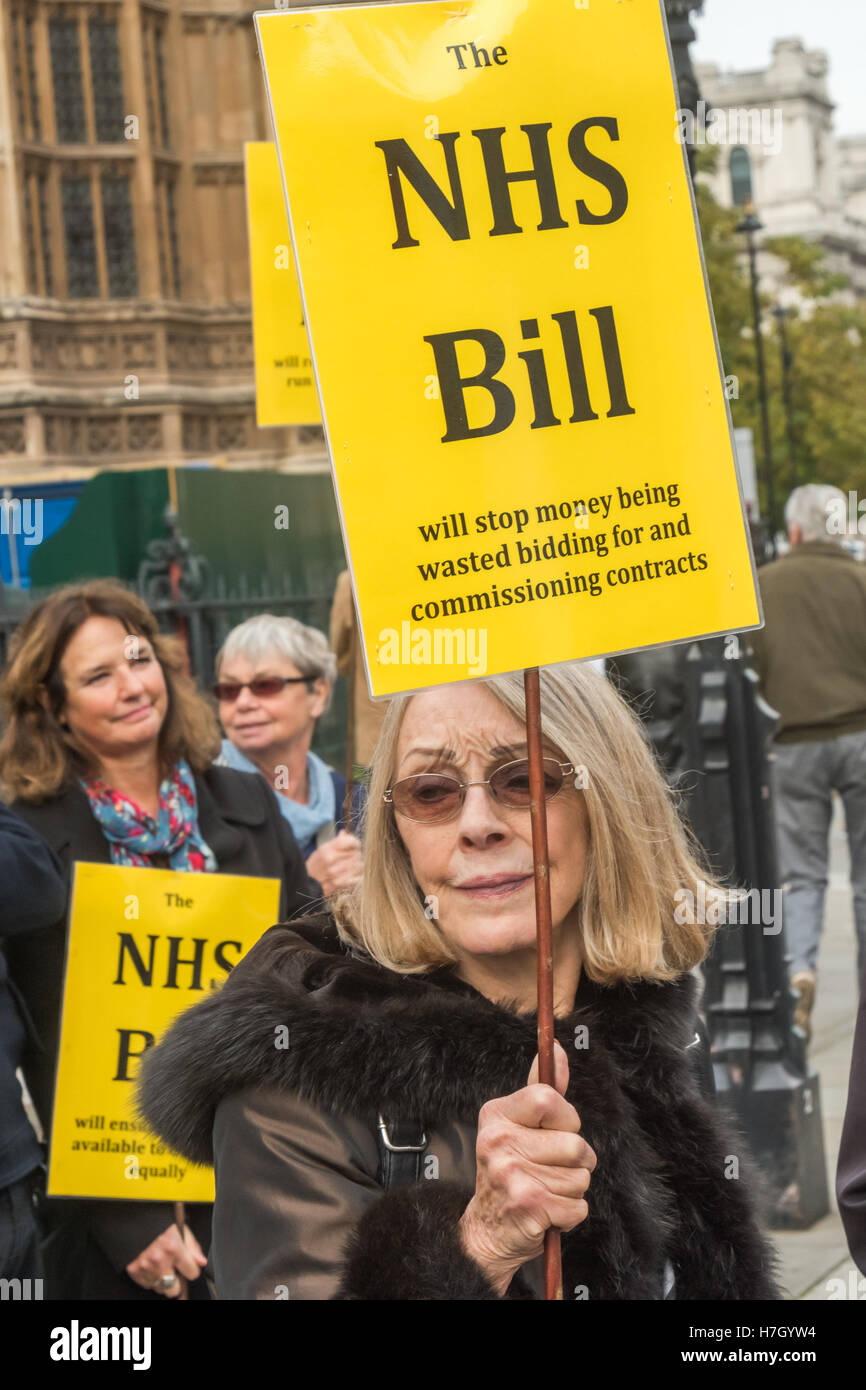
(95, 348)
(8, 349)
(220, 432)
(13, 434)
(81, 434)
(168, 371)
(193, 350)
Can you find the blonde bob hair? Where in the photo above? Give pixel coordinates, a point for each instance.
(640, 856)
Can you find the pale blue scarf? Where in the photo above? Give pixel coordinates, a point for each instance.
(306, 821)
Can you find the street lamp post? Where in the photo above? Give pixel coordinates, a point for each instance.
(681, 35)
(750, 225)
(780, 314)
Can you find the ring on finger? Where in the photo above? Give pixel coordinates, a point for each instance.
(166, 1281)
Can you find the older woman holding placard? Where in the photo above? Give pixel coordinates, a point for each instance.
(381, 1133)
(107, 752)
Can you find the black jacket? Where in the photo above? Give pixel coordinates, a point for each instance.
(292, 1130)
(239, 819)
(32, 895)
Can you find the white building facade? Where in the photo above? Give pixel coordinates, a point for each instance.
(806, 181)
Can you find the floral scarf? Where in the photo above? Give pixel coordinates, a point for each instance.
(134, 835)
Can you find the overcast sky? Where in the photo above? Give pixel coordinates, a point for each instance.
(739, 34)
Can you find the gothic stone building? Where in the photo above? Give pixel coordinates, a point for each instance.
(806, 181)
(125, 330)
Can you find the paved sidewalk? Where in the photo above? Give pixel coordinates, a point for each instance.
(809, 1260)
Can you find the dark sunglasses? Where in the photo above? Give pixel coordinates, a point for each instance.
(262, 685)
(434, 798)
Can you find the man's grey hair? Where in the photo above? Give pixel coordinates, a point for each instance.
(267, 635)
(810, 508)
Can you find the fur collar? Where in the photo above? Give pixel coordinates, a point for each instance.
(363, 1039)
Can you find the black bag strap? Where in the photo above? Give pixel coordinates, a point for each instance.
(402, 1145)
(402, 1142)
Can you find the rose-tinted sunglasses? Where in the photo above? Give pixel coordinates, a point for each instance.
(229, 691)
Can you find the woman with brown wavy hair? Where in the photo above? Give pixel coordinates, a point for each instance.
(107, 752)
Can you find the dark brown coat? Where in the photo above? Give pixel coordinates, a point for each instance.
(291, 1129)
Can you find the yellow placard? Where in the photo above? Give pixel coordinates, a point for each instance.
(285, 389)
(143, 945)
(515, 350)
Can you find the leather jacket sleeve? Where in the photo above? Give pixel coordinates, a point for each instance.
(299, 1214)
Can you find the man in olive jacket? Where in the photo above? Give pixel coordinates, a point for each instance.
(811, 661)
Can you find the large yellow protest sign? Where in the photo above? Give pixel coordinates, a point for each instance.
(143, 945)
(285, 390)
(515, 351)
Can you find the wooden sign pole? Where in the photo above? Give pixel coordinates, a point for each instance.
(543, 923)
(348, 808)
(180, 1219)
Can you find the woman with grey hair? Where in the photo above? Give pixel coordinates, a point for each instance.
(274, 681)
